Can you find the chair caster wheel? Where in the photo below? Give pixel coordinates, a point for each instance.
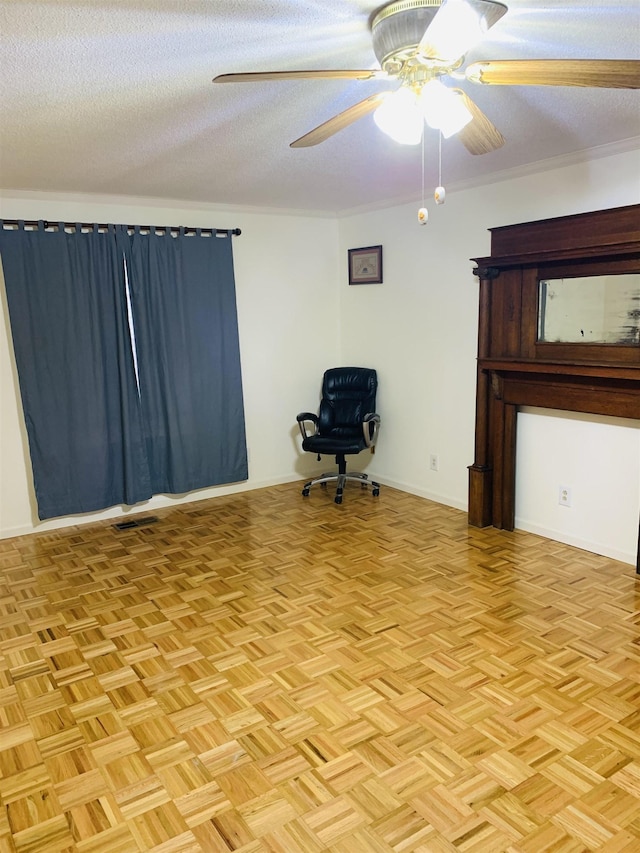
(375, 493)
(305, 493)
(338, 499)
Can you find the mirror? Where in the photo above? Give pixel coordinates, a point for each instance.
(600, 309)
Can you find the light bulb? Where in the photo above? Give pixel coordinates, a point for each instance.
(443, 109)
(399, 117)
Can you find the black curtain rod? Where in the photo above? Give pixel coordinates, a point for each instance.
(191, 229)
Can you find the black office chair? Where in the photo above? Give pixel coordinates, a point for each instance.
(346, 424)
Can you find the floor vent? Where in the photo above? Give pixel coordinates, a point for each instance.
(135, 522)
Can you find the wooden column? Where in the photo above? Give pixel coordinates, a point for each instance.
(480, 473)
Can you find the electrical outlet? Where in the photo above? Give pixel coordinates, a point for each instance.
(434, 462)
(564, 495)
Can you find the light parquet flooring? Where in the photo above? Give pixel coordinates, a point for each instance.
(263, 672)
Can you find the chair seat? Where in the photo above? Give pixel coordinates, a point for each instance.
(332, 444)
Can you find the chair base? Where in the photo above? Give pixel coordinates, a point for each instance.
(341, 479)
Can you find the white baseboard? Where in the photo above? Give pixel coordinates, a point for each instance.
(577, 542)
(154, 503)
(421, 493)
(521, 524)
(164, 501)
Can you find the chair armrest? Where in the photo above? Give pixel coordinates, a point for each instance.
(370, 427)
(303, 419)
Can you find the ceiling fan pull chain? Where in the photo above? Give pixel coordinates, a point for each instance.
(440, 193)
(423, 213)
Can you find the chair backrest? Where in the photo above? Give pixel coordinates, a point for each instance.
(348, 394)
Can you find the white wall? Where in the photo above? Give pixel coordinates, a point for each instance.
(598, 460)
(286, 283)
(419, 329)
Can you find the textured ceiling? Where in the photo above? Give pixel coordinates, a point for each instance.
(115, 98)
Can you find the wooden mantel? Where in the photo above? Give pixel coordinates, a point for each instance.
(515, 369)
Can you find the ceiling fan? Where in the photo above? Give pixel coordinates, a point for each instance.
(418, 42)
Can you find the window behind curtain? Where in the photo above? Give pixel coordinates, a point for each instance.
(184, 314)
(94, 441)
(68, 315)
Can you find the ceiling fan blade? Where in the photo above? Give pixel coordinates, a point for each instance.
(603, 73)
(340, 121)
(457, 26)
(257, 76)
(480, 136)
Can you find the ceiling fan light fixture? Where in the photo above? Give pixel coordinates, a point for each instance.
(459, 26)
(443, 109)
(400, 117)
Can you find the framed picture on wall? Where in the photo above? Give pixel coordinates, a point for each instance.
(365, 265)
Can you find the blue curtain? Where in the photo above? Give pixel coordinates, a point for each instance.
(68, 312)
(98, 434)
(186, 332)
